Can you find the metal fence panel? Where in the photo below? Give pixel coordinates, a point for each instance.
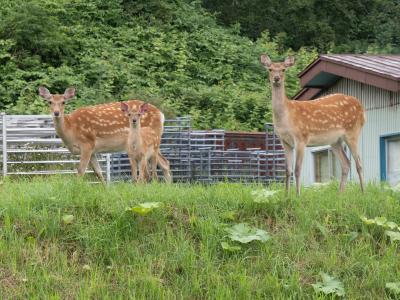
(30, 146)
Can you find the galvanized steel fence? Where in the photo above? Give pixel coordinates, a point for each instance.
(30, 147)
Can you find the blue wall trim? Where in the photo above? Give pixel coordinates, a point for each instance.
(382, 152)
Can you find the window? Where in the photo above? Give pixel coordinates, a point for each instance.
(393, 160)
(326, 166)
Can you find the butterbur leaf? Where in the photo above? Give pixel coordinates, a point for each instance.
(144, 208)
(68, 219)
(394, 287)
(263, 196)
(230, 248)
(394, 235)
(329, 285)
(353, 235)
(391, 225)
(245, 234)
(380, 221)
(367, 221)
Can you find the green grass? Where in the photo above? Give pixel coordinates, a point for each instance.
(175, 253)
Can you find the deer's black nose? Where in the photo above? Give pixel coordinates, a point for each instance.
(276, 78)
(56, 113)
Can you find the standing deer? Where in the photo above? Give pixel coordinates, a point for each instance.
(93, 129)
(143, 145)
(329, 120)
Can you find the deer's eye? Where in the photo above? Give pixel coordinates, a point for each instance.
(48, 101)
(63, 102)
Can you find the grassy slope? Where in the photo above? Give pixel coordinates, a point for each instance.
(175, 252)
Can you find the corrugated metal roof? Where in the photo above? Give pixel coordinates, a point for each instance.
(381, 64)
(382, 71)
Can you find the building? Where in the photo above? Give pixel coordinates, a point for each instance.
(375, 81)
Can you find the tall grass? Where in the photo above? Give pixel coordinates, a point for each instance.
(175, 252)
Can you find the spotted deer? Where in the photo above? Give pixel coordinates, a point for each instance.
(329, 120)
(94, 129)
(143, 145)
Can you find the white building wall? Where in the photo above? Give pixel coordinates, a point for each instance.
(382, 117)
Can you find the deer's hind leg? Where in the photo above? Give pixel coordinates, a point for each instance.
(153, 162)
(344, 162)
(164, 165)
(96, 168)
(352, 142)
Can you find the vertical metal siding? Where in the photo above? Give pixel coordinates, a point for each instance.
(382, 117)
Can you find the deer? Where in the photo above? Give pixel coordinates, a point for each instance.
(330, 120)
(143, 145)
(96, 129)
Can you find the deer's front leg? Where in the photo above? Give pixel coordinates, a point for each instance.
(86, 154)
(133, 164)
(299, 161)
(288, 163)
(143, 169)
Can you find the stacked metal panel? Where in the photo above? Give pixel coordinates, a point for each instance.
(30, 147)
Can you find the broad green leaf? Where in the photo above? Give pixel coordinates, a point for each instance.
(244, 234)
(394, 235)
(394, 287)
(353, 235)
(263, 196)
(68, 219)
(230, 248)
(380, 221)
(367, 221)
(391, 225)
(145, 208)
(329, 285)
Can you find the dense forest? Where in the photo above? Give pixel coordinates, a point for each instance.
(335, 25)
(188, 57)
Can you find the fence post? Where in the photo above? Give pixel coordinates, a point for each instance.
(191, 177)
(209, 165)
(258, 166)
(4, 119)
(108, 168)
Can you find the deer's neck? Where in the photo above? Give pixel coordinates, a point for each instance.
(279, 103)
(135, 137)
(60, 125)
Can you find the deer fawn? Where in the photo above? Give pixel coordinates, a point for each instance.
(93, 129)
(330, 120)
(143, 145)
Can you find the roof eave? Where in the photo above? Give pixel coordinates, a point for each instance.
(323, 64)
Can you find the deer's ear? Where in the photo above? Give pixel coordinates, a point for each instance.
(265, 60)
(44, 93)
(289, 61)
(124, 107)
(143, 108)
(69, 93)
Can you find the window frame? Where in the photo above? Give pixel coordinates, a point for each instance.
(383, 152)
(331, 154)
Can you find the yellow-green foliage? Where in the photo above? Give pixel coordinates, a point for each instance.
(171, 53)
